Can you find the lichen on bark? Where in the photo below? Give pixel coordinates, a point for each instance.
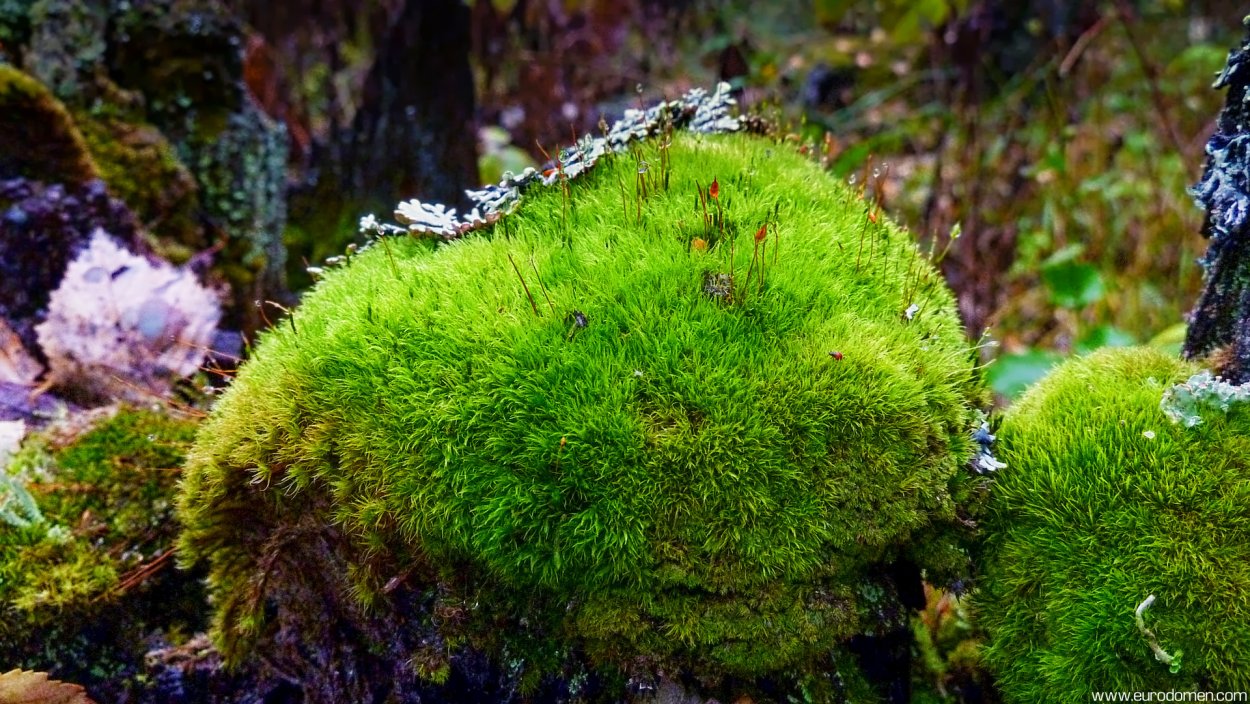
(1218, 321)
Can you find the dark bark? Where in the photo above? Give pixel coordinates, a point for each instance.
(413, 136)
(1219, 321)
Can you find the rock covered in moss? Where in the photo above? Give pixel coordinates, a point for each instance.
(86, 570)
(143, 170)
(241, 169)
(186, 58)
(66, 46)
(38, 138)
(556, 438)
(156, 86)
(1105, 503)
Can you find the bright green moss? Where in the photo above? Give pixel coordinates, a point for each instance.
(1103, 503)
(82, 588)
(688, 477)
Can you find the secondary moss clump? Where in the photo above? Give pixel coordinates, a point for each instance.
(1105, 502)
(673, 431)
(86, 539)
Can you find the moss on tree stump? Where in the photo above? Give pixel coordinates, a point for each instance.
(666, 431)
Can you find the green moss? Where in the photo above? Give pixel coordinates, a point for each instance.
(633, 463)
(82, 589)
(38, 138)
(1103, 503)
(142, 169)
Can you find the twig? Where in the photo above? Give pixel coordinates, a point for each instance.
(541, 286)
(533, 306)
(1125, 13)
(1081, 43)
(386, 245)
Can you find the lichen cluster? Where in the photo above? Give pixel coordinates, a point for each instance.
(551, 424)
(120, 326)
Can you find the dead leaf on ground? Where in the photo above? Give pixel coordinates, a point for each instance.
(22, 687)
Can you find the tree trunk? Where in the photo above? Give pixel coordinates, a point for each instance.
(1218, 323)
(413, 136)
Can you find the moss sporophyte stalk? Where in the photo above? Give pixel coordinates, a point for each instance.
(698, 440)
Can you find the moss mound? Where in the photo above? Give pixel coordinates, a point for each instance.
(86, 549)
(38, 138)
(1103, 503)
(142, 169)
(589, 414)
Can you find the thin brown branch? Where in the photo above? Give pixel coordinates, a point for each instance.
(1127, 18)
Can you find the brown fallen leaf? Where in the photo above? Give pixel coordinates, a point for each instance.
(17, 366)
(23, 687)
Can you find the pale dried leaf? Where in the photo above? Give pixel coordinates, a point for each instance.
(22, 687)
(11, 434)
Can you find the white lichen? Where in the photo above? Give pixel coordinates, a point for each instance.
(121, 326)
(697, 111)
(1184, 403)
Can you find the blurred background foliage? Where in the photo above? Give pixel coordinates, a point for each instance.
(1059, 137)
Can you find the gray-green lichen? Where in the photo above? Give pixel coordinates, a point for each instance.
(1186, 402)
(241, 171)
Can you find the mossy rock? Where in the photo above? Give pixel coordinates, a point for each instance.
(182, 55)
(587, 425)
(86, 576)
(38, 138)
(142, 169)
(1104, 502)
(241, 171)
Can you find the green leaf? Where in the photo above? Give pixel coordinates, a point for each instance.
(1011, 374)
(1071, 284)
(1104, 336)
(1170, 340)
